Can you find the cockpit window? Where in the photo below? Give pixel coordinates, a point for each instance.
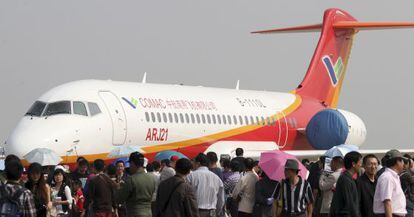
(36, 109)
(79, 108)
(61, 107)
(93, 108)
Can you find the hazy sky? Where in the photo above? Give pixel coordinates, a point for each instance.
(47, 43)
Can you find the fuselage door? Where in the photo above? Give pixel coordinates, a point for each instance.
(282, 130)
(117, 115)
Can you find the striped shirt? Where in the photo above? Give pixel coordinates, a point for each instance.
(296, 198)
(231, 182)
(26, 202)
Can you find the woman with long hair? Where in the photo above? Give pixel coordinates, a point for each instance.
(61, 194)
(40, 189)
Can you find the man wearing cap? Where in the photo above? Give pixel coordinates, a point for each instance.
(389, 198)
(138, 189)
(345, 201)
(295, 191)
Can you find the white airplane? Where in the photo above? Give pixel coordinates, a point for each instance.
(91, 117)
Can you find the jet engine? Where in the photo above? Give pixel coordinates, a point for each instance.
(331, 127)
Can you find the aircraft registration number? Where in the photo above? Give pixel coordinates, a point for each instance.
(251, 102)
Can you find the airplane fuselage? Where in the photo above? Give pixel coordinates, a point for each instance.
(161, 117)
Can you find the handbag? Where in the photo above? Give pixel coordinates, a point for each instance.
(277, 207)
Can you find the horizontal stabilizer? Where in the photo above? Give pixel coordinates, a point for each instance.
(372, 25)
(307, 28)
(342, 25)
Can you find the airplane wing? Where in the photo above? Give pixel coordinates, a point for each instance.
(314, 154)
(253, 149)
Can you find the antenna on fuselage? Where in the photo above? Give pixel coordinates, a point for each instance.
(238, 84)
(144, 78)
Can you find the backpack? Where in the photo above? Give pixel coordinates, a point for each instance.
(9, 204)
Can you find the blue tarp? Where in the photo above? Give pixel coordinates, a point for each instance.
(167, 155)
(327, 129)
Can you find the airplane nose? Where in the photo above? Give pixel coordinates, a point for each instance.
(20, 143)
(23, 139)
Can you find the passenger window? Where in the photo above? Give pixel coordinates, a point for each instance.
(181, 118)
(170, 117)
(257, 120)
(208, 119)
(224, 119)
(79, 108)
(263, 121)
(176, 117)
(159, 117)
(164, 117)
(246, 119)
(147, 117)
(234, 119)
(240, 120)
(187, 118)
(213, 117)
(152, 116)
(219, 119)
(203, 118)
(229, 119)
(192, 118)
(251, 120)
(198, 118)
(93, 108)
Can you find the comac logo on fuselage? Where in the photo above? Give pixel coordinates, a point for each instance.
(133, 102)
(334, 71)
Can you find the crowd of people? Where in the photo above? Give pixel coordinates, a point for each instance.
(205, 186)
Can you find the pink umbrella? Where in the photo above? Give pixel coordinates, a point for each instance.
(273, 164)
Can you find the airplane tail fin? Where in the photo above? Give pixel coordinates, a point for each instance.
(324, 77)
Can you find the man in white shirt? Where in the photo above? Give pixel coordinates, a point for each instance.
(245, 190)
(327, 184)
(389, 198)
(151, 170)
(167, 171)
(208, 187)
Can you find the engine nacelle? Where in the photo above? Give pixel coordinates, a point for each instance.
(331, 127)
